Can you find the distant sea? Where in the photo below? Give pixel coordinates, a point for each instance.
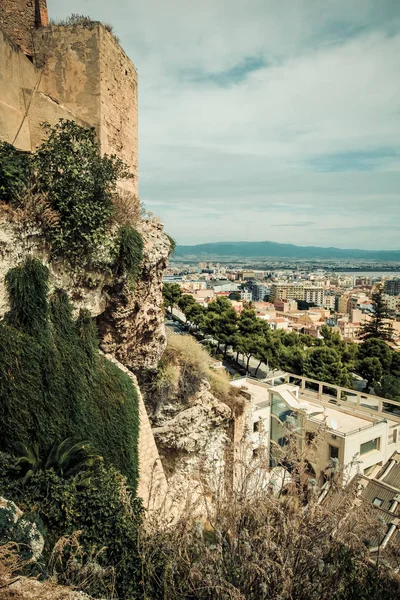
(369, 273)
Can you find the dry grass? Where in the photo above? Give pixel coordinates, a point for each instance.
(260, 543)
(186, 364)
(126, 208)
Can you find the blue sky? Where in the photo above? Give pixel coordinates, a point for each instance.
(266, 119)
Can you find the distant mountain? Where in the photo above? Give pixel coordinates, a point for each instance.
(275, 250)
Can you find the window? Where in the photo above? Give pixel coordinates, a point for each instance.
(378, 502)
(310, 437)
(333, 452)
(369, 446)
(256, 426)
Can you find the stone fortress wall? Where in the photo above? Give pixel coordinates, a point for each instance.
(79, 72)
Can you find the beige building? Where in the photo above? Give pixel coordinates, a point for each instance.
(312, 293)
(357, 430)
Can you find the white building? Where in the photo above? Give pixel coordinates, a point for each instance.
(358, 430)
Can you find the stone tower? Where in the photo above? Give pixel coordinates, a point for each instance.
(20, 18)
(79, 72)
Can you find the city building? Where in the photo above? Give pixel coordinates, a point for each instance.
(383, 494)
(392, 287)
(285, 305)
(246, 295)
(260, 291)
(311, 293)
(357, 430)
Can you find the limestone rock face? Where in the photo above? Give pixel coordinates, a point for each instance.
(131, 321)
(132, 325)
(16, 528)
(188, 430)
(192, 438)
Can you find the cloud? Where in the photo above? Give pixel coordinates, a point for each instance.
(255, 114)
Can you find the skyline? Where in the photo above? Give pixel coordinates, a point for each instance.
(260, 120)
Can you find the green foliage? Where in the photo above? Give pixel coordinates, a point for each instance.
(370, 368)
(130, 253)
(235, 296)
(389, 387)
(376, 348)
(79, 184)
(27, 287)
(66, 458)
(54, 384)
(324, 364)
(378, 327)
(172, 243)
(172, 294)
(103, 509)
(15, 172)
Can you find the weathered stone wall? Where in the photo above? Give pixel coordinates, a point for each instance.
(23, 107)
(19, 18)
(88, 72)
(152, 486)
(118, 104)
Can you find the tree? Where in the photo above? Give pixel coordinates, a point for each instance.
(389, 387)
(324, 364)
(195, 314)
(395, 364)
(235, 296)
(171, 294)
(371, 369)
(250, 336)
(376, 348)
(221, 322)
(377, 327)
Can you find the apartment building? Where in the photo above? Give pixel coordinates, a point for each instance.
(246, 295)
(358, 431)
(311, 293)
(392, 302)
(260, 291)
(392, 287)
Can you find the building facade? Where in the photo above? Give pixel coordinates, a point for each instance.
(358, 431)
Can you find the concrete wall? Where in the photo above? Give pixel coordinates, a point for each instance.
(19, 18)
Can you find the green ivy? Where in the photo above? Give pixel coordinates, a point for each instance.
(103, 509)
(15, 172)
(53, 382)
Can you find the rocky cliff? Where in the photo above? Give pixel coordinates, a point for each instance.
(130, 318)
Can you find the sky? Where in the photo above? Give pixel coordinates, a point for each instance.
(265, 119)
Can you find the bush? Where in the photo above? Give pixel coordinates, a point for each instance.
(15, 172)
(103, 510)
(79, 185)
(130, 253)
(53, 382)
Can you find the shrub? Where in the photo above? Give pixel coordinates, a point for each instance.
(103, 510)
(15, 171)
(172, 243)
(79, 185)
(53, 382)
(130, 253)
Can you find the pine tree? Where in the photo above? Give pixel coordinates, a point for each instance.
(378, 327)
